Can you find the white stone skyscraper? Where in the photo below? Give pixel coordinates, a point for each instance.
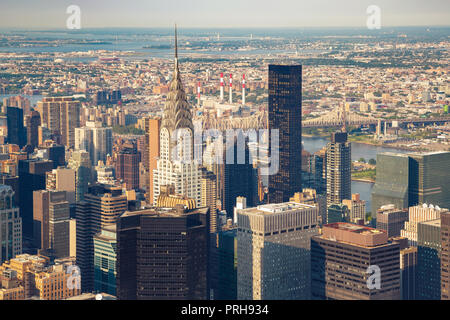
(176, 165)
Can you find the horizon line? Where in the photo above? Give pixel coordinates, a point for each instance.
(228, 28)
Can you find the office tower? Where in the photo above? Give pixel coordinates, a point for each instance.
(16, 131)
(61, 115)
(310, 196)
(39, 279)
(429, 246)
(62, 179)
(430, 176)
(356, 206)
(391, 219)
(392, 181)
(340, 261)
(338, 162)
(33, 121)
(239, 179)
(416, 214)
(102, 206)
(338, 212)
(225, 275)
(209, 196)
(51, 214)
(31, 178)
(273, 251)
(105, 245)
(10, 225)
(96, 140)
(176, 164)
(182, 235)
(80, 162)
(445, 255)
(408, 269)
(406, 180)
(127, 166)
(285, 115)
(152, 127)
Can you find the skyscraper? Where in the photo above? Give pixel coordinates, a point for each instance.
(152, 127)
(96, 140)
(80, 162)
(273, 251)
(33, 121)
(428, 284)
(177, 269)
(338, 162)
(209, 196)
(16, 131)
(102, 206)
(51, 215)
(10, 225)
(285, 115)
(341, 259)
(406, 180)
(105, 245)
(127, 166)
(176, 164)
(61, 115)
(31, 178)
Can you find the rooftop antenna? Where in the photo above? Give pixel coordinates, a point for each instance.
(176, 43)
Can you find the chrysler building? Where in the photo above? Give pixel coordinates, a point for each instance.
(176, 165)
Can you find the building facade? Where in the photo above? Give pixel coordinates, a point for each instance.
(10, 225)
(273, 251)
(338, 172)
(162, 254)
(344, 258)
(285, 115)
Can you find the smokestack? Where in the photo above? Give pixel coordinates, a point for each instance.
(221, 86)
(198, 94)
(243, 89)
(385, 128)
(231, 88)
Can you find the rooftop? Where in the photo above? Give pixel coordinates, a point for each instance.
(278, 207)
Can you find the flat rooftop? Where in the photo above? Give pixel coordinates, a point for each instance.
(355, 228)
(277, 208)
(354, 234)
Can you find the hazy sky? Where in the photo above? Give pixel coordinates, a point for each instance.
(223, 13)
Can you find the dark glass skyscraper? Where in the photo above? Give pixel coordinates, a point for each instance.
(163, 254)
(16, 131)
(285, 114)
(406, 180)
(428, 276)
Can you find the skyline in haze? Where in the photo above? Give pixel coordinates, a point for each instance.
(48, 14)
